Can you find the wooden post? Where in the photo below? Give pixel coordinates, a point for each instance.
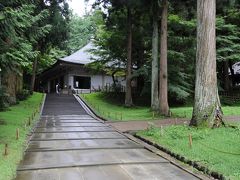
(161, 130)
(153, 115)
(121, 115)
(190, 140)
(29, 121)
(6, 150)
(17, 134)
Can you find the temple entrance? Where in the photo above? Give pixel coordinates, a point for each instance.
(82, 82)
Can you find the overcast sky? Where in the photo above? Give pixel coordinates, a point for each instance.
(79, 6)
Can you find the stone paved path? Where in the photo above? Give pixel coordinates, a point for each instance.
(70, 144)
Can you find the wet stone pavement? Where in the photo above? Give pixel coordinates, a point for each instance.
(69, 144)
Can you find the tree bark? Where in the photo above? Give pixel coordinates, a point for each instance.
(207, 108)
(163, 74)
(154, 83)
(226, 76)
(33, 75)
(128, 94)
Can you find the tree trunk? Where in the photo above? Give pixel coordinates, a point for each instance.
(163, 74)
(34, 70)
(128, 94)
(154, 85)
(207, 108)
(226, 76)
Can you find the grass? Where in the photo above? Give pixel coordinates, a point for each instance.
(218, 149)
(15, 117)
(111, 109)
(187, 111)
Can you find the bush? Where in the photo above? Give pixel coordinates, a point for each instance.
(22, 95)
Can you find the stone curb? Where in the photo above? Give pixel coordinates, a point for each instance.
(148, 146)
(194, 164)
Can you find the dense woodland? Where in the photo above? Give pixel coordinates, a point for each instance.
(153, 42)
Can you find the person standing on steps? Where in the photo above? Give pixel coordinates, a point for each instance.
(58, 89)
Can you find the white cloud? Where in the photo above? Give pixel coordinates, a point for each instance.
(79, 7)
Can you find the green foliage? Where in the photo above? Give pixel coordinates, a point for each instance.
(106, 39)
(59, 19)
(215, 148)
(181, 52)
(32, 31)
(23, 95)
(48, 58)
(111, 41)
(228, 41)
(83, 29)
(20, 33)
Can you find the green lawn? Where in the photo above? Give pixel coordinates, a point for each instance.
(113, 110)
(218, 149)
(187, 111)
(16, 117)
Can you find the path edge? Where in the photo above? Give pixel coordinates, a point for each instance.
(147, 146)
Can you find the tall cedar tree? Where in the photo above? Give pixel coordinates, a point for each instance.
(207, 108)
(163, 74)
(128, 94)
(124, 5)
(154, 83)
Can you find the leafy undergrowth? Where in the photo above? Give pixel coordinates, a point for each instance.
(15, 117)
(112, 108)
(218, 149)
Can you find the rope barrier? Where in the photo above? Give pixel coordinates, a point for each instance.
(215, 149)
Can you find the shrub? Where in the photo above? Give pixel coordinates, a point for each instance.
(22, 95)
